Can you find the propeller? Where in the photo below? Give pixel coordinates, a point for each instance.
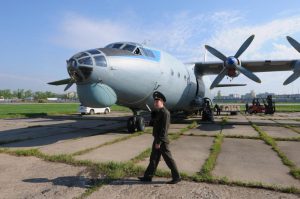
(296, 72)
(232, 62)
(77, 74)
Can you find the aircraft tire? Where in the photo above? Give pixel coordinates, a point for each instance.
(140, 124)
(131, 125)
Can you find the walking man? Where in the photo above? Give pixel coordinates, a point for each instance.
(160, 119)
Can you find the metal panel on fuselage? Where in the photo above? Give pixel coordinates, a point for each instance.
(133, 78)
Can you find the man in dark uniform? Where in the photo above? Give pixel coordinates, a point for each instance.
(160, 119)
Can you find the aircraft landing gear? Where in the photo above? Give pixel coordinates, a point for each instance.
(135, 123)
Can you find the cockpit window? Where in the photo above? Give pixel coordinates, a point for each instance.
(118, 46)
(100, 61)
(79, 55)
(86, 61)
(129, 47)
(148, 53)
(93, 52)
(137, 51)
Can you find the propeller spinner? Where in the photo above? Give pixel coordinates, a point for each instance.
(232, 63)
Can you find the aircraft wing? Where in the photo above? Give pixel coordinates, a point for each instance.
(214, 68)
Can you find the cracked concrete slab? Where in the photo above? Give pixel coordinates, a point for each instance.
(239, 130)
(120, 151)
(30, 177)
(189, 153)
(252, 161)
(291, 150)
(79, 144)
(279, 132)
(205, 129)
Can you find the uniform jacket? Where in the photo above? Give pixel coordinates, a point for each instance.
(160, 119)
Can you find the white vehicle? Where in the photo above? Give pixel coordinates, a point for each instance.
(89, 110)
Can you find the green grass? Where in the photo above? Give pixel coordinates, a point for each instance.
(210, 162)
(43, 109)
(294, 171)
(105, 173)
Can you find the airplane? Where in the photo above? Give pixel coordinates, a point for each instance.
(128, 73)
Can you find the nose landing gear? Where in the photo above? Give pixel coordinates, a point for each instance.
(135, 123)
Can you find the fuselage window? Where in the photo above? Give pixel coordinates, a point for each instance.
(100, 61)
(93, 52)
(129, 47)
(86, 61)
(178, 74)
(172, 72)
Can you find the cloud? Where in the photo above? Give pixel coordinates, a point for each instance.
(78, 32)
(184, 35)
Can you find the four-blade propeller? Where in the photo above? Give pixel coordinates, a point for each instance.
(232, 62)
(296, 72)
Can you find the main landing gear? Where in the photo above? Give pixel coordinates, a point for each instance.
(135, 123)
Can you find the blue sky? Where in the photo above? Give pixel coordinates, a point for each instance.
(37, 37)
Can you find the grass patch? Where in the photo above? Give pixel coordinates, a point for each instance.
(141, 156)
(43, 109)
(210, 162)
(270, 141)
(105, 173)
(224, 120)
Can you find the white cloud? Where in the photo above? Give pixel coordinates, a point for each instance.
(184, 35)
(78, 32)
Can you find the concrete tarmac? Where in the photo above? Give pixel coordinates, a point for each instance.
(246, 160)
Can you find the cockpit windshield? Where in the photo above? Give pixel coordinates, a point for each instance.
(129, 47)
(118, 46)
(86, 61)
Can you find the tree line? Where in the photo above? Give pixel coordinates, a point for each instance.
(29, 94)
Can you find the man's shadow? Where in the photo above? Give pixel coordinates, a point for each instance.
(68, 181)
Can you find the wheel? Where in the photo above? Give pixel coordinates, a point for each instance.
(106, 111)
(92, 112)
(140, 124)
(131, 125)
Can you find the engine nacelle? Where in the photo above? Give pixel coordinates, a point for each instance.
(296, 66)
(232, 72)
(96, 95)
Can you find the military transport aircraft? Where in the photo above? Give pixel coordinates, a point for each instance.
(127, 74)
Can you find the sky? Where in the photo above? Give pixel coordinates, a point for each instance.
(37, 37)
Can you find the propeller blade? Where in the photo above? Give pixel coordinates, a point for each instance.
(248, 73)
(69, 85)
(294, 43)
(60, 82)
(219, 78)
(244, 46)
(216, 53)
(291, 78)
